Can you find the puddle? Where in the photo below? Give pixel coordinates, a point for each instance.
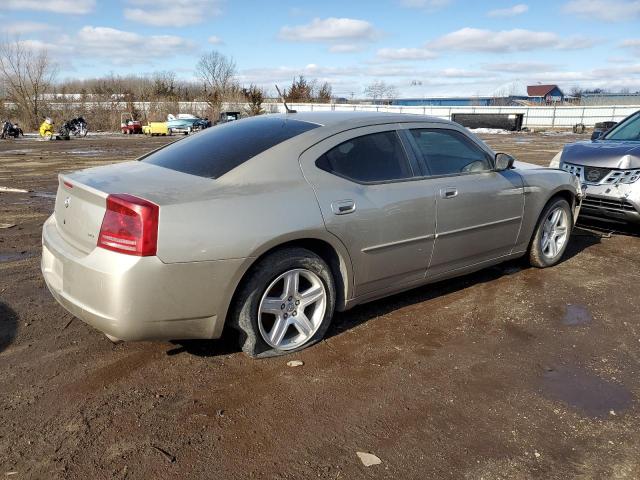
(86, 153)
(576, 315)
(43, 195)
(24, 151)
(585, 391)
(14, 256)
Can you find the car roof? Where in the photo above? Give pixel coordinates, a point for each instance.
(356, 119)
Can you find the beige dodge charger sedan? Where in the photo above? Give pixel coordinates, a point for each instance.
(271, 224)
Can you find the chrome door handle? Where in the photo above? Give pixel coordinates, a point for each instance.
(449, 192)
(343, 207)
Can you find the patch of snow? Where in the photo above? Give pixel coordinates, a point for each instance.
(490, 131)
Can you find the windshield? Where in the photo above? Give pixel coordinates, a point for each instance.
(217, 150)
(627, 130)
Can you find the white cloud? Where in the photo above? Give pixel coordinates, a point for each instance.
(215, 40)
(517, 40)
(520, 67)
(632, 44)
(412, 82)
(402, 54)
(516, 10)
(607, 10)
(345, 48)
(330, 30)
(69, 7)
(23, 28)
(428, 5)
(132, 48)
(171, 13)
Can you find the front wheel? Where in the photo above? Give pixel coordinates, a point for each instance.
(552, 234)
(286, 304)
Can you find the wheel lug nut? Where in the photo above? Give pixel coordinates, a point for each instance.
(286, 316)
(290, 298)
(282, 306)
(295, 313)
(297, 302)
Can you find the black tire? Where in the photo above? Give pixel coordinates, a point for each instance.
(537, 257)
(244, 315)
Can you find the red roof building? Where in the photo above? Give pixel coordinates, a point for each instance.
(545, 93)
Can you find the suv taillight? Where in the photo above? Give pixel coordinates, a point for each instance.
(130, 225)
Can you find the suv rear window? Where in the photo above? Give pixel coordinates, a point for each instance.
(217, 150)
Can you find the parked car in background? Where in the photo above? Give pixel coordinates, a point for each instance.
(609, 169)
(186, 123)
(271, 223)
(228, 117)
(128, 125)
(156, 128)
(601, 128)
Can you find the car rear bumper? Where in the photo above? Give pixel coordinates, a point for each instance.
(137, 298)
(619, 203)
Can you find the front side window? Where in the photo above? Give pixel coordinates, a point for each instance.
(627, 130)
(378, 157)
(449, 152)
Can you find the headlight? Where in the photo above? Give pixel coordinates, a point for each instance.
(555, 163)
(578, 186)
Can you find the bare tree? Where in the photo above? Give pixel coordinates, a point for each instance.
(380, 90)
(26, 74)
(217, 72)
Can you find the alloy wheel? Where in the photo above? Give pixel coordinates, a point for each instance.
(292, 309)
(554, 232)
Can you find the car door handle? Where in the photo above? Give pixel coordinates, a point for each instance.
(343, 207)
(449, 192)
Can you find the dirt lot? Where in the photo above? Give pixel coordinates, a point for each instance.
(511, 373)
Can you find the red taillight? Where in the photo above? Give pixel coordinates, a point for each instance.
(130, 226)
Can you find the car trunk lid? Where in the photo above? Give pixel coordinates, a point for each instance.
(79, 210)
(81, 198)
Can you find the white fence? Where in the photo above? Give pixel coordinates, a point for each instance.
(534, 117)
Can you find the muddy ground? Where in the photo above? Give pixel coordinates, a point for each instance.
(511, 373)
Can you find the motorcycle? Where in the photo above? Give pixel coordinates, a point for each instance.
(11, 130)
(76, 126)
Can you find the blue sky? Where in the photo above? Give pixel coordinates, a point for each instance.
(423, 47)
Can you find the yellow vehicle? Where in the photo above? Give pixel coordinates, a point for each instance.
(46, 129)
(156, 128)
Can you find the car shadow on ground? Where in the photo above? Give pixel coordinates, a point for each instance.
(606, 229)
(8, 325)
(343, 321)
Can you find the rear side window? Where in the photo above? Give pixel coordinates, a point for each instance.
(377, 157)
(217, 150)
(450, 152)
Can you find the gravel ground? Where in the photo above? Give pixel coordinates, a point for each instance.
(511, 372)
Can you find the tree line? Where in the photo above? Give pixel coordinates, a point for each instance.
(29, 84)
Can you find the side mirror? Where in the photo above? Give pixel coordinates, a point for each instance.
(503, 161)
(596, 135)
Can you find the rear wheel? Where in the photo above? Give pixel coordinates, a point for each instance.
(286, 304)
(552, 234)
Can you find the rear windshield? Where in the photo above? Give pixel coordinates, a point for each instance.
(217, 150)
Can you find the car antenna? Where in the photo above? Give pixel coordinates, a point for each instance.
(289, 110)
